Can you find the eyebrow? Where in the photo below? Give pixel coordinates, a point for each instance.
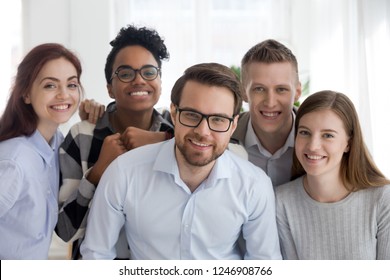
(128, 66)
(57, 80)
(273, 86)
(323, 130)
(213, 114)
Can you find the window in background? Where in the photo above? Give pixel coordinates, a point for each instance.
(206, 31)
(339, 45)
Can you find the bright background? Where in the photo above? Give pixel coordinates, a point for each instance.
(343, 45)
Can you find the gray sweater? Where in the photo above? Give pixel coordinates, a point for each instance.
(357, 227)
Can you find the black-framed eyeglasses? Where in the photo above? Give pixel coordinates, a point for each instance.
(192, 118)
(127, 74)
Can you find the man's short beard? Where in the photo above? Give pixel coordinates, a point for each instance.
(190, 159)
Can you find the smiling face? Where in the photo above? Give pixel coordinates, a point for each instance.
(321, 142)
(201, 146)
(55, 94)
(271, 90)
(138, 95)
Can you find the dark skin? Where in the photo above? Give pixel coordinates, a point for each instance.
(132, 118)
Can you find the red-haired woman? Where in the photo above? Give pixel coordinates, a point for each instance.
(45, 94)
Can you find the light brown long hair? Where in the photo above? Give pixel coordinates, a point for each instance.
(358, 170)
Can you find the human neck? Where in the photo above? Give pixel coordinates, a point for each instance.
(47, 131)
(124, 119)
(325, 189)
(272, 142)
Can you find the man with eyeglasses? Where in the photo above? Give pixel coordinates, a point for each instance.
(189, 197)
(133, 75)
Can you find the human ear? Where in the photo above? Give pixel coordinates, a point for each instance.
(27, 99)
(347, 148)
(234, 124)
(109, 89)
(298, 92)
(173, 113)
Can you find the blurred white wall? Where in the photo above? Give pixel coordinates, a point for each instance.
(84, 26)
(88, 26)
(340, 45)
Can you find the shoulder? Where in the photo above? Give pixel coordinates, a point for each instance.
(244, 116)
(380, 194)
(376, 197)
(238, 162)
(376, 192)
(163, 116)
(239, 150)
(289, 189)
(241, 166)
(15, 148)
(384, 199)
(79, 132)
(83, 127)
(16, 156)
(141, 155)
(242, 124)
(243, 119)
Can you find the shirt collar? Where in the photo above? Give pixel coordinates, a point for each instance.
(166, 155)
(46, 150)
(252, 140)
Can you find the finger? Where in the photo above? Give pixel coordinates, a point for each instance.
(94, 112)
(87, 105)
(82, 113)
(81, 105)
(97, 110)
(102, 110)
(126, 142)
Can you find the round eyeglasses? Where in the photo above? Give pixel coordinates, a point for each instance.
(193, 118)
(127, 74)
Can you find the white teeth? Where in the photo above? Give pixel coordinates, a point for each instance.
(60, 107)
(270, 114)
(200, 144)
(139, 93)
(314, 157)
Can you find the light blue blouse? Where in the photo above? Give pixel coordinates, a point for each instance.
(142, 190)
(29, 183)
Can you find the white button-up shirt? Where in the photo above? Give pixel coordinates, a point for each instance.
(143, 191)
(29, 183)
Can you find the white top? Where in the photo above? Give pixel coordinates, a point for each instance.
(142, 189)
(357, 227)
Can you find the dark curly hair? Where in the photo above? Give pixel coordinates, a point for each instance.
(133, 36)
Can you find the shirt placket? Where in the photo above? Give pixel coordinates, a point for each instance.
(186, 228)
